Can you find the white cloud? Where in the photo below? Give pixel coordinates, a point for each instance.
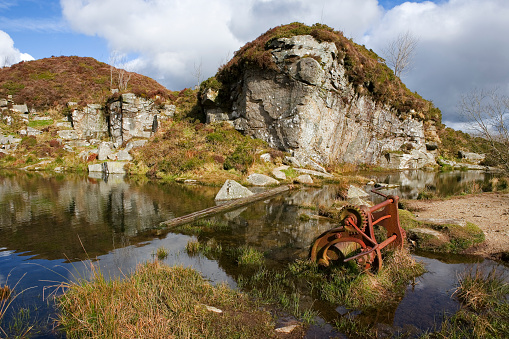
(462, 43)
(173, 37)
(8, 54)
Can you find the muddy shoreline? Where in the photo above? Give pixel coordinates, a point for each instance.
(489, 211)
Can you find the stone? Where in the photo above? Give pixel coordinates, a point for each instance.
(20, 108)
(266, 157)
(291, 161)
(261, 180)
(32, 131)
(304, 179)
(103, 151)
(96, 167)
(356, 192)
(134, 144)
(64, 124)
(232, 190)
(3, 103)
(124, 155)
(315, 173)
(470, 156)
(278, 174)
(311, 110)
(115, 167)
(286, 329)
(68, 134)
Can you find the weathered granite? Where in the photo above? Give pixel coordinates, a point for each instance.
(356, 192)
(310, 109)
(304, 179)
(232, 190)
(257, 179)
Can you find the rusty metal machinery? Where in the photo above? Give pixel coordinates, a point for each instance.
(355, 239)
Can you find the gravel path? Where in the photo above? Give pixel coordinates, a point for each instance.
(489, 211)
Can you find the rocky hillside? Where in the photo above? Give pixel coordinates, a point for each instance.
(314, 93)
(53, 82)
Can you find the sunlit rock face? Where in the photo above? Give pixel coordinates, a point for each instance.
(310, 109)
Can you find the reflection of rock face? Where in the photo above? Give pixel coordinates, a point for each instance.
(311, 109)
(276, 224)
(49, 217)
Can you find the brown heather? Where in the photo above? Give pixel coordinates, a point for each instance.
(52, 82)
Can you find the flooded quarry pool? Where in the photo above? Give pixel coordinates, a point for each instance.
(53, 226)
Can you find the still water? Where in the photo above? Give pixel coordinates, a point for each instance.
(52, 226)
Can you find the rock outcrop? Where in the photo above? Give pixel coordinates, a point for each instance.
(122, 119)
(310, 108)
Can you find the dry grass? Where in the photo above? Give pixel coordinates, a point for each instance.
(158, 301)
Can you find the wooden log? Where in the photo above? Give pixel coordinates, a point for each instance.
(225, 207)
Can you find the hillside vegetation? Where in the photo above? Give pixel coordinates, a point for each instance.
(52, 82)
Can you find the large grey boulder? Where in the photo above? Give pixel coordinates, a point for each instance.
(233, 190)
(310, 109)
(261, 180)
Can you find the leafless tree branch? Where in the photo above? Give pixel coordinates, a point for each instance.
(488, 114)
(399, 53)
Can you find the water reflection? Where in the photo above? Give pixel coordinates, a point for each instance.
(443, 184)
(51, 225)
(62, 217)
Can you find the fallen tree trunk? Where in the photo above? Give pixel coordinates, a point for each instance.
(225, 207)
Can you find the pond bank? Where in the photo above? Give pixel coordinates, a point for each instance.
(489, 211)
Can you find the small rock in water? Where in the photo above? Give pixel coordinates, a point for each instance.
(232, 190)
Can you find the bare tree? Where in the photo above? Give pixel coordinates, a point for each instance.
(118, 63)
(488, 114)
(6, 61)
(198, 73)
(399, 53)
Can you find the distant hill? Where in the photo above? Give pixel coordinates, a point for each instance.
(54, 81)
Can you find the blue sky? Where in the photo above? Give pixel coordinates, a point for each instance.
(463, 44)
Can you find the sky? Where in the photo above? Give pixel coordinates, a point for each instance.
(462, 44)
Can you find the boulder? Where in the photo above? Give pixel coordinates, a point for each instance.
(278, 174)
(470, 156)
(232, 190)
(103, 151)
(309, 107)
(115, 167)
(261, 180)
(266, 157)
(315, 173)
(304, 179)
(68, 134)
(123, 155)
(356, 192)
(96, 167)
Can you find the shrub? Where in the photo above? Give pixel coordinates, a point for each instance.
(241, 159)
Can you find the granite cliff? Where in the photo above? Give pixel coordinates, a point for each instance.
(324, 99)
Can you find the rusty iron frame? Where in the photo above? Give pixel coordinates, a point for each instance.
(360, 233)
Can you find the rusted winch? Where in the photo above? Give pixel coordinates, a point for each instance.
(355, 238)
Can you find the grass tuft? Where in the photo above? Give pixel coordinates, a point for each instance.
(158, 301)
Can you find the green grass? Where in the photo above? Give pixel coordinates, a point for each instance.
(454, 238)
(161, 253)
(485, 307)
(40, 123)
(158, 301)
(249, 256)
